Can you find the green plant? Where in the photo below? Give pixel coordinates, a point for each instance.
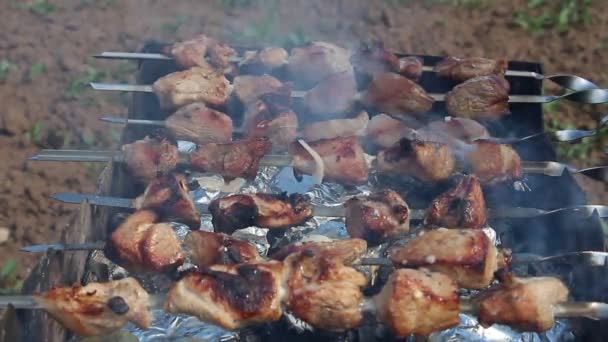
(76, 87)
(174, 26)
(36, 70)
(41, 7)
(36, 133)
(9, 284)
(5, 69)
(559, 14)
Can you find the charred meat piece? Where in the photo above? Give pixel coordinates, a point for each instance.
(330, 129)
(310, 64)
(190, 53)
(264, 60)
(208, 248)
(494, 163)
(343, 158)
(141, 244)
(200, 124)
(281, 127)
(196, 84)
(427, 161)
(346, 251)
(374, 60)
(273, 211)
(522, 303)
(98, 309)
(460, 207)
(230, 296)
(333, 95)
(418, 302)
(220, 55)
(148, 158)
(396, 95)
(385, 131)
(466, 255)
(378, 217)
(231, 160)
(484, 97)
(323, 291)
(462, 69)
(248, 88)
(411, 67)
(453, 131)
(168, 195)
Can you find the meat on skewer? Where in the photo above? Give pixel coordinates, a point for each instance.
(397, 95)
(466, 255)
(484, 97)
(98, 309)
(264, 60)
(248, 88)
(522, 303)
(263, 210)
(168, 196)
(209, 248)
(453, 131)
(310, 64)
(148, 158)
(347, 251)
(418, 302)
(330, 129)
(280, 126)
(374, 60)
(493, 162)
(462, 69)
(332, 95)
(200, 51)
(462, 206)
(385, 131)
(200, 124)
(378, 217)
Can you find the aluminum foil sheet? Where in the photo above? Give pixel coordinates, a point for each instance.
(171, 327)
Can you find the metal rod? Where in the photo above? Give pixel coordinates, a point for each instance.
(29, 302)
(124, 121)
(122, 87)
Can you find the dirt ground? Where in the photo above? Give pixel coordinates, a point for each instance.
(45, 51)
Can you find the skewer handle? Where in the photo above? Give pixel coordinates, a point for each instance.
(19, 302)
(591, 310)
(87, 246)
(132, 121)
(142, 88)
(132, 55)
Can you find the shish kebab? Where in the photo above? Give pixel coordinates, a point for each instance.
(202, 49)
(317, 288)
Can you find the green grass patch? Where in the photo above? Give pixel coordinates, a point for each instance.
(560, 15)
(76, 87)
(9, 284)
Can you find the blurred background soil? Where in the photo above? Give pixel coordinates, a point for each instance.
(45, 66)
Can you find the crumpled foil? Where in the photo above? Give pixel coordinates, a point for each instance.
(171, 327)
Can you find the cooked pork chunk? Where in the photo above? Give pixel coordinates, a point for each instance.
(190, 53)
(385, 131)
(208, 248)
(310, 64)
(149, 158)
(141, 244)
(200, 124)
(281, 127)
(220, 55)
(463, 206)
(343, 158)
(494, 163)
(374, 60)
(522, 303)
(230, 296)
(273, 211)
(346, 251)
(466, 255)
(378, 217)
(462, 69)
(418, 302)
(231, 160)
(196, 84)
(453, 131)
(424, 160)
(484, 97)
(168, 196)
(330, 129)
(248, 88)
(98, 309)
(396, 95)
(333, 95)
(411, 67)
(264, 60)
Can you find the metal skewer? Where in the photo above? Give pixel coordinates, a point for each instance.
(589, 96)
(572, 82)
(548, 168)
(29, 302)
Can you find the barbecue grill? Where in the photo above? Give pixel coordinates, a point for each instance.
(545, 235)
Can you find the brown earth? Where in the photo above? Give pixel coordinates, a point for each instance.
(51, 109)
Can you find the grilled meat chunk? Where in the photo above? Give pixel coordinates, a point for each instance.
(330, 129)
(343, 158)
(333, 95)
(462, 69)
(453, 131)
(280, 127)
(220, 55)
(273, 211)
(427, 161)
(418, 302)
(484, 97)
(148, 158)
(310, 64)
(230, 296)
(466, 255)
(248, 88)
(98, 309)
(200, 124)
(396, 95)
(374, 60)
(385, 131)
(463, 206)
(494, 163)
(346, 251)
(378, 217)
(168, 196)
(264, 60)
(411, 67)
(190, 53)
(208, 248)
(196, 84)
(231, 160)
(143, 245)
(323, 291)
(522, 303)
